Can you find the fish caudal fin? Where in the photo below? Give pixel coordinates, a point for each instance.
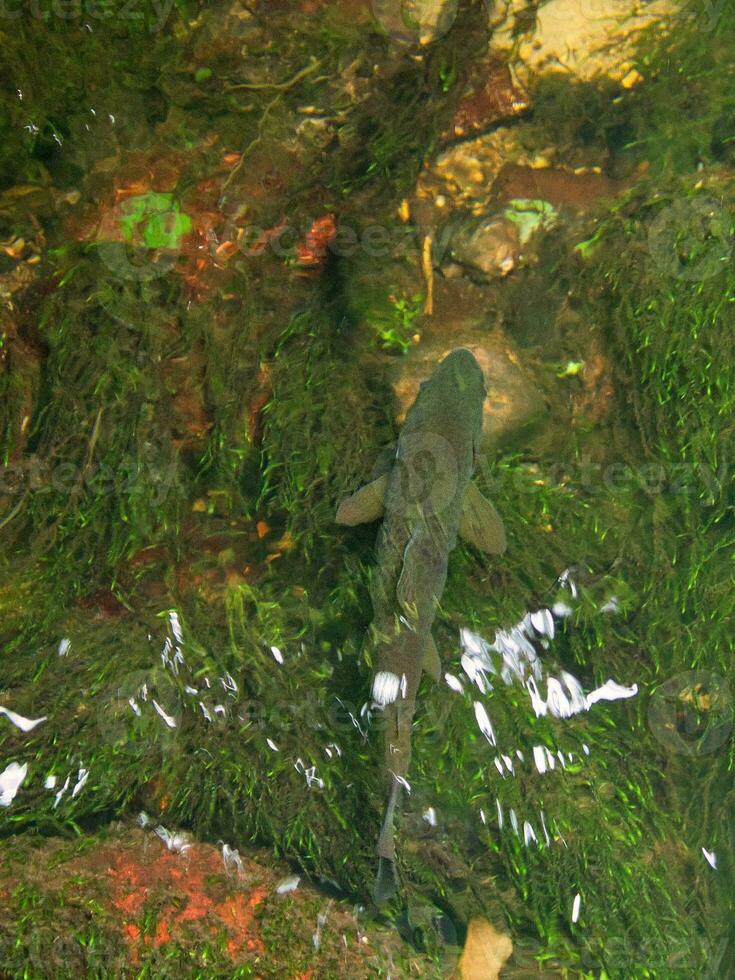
(365, 505)
(480, 524)
(386, 880)
(386, 847)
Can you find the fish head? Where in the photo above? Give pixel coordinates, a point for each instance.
(459, 372)
(439, 441)
(456, 392)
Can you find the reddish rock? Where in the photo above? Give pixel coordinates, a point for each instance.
(596, 400)
(103, 603)
(312, 252)
(559, 187)
(493, 96)
(186, 877)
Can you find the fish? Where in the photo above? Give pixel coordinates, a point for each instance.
(425, 499)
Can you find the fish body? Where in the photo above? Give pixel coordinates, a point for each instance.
(426, 499)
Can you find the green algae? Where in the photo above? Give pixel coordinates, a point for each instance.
(157, 219)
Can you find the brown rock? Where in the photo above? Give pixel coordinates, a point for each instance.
(559, 187)
(483, 248)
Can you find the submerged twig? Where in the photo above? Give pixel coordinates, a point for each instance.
(280, 88)
(277, 86)
(9, 517)
(253, 142)
(427, 267)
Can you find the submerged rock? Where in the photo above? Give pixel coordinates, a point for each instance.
(562, 188)
(483, 248)
(491, 246)
(583, 38)
(485, 952)
(463, 174)
(415, 21)
(514, 404)
(491, 97)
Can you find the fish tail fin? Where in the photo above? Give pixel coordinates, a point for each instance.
(432, 662)
(386, 880)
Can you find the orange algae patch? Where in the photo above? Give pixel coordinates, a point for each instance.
(313, 250)
(179, 886)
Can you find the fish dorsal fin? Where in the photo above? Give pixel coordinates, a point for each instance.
(480, 524)
(365, 505)
(432, 662)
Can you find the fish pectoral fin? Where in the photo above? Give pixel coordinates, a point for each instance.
(432, 662)
(480, 524)
(365, 505)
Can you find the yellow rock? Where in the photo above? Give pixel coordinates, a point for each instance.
(584, 39)
(485, 952)
(632, 78)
